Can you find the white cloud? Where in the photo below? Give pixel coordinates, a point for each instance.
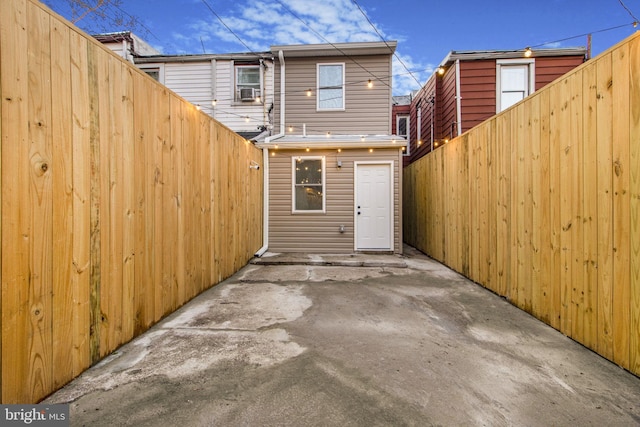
(262, 23)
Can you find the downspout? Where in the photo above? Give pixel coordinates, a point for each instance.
(265, 161)
(458, 99)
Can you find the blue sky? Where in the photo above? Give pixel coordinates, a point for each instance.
(426, 30)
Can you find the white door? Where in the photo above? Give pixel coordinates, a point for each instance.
(374, 207)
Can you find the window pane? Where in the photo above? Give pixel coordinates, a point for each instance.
(402, 126)
(309, 172)
(330, 76)
(330, 98)
(153, 72)
(248, 76)
(309, 198)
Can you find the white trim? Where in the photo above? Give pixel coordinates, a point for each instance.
(406, 116)
(294, 159)
(151, 66)
(344, 101)
(392, 210)
(506, 62)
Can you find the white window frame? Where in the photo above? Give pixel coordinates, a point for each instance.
(159, 66)
(318, 66)
(294, 161)
(510, 62)
(235, 90)
(407, 151)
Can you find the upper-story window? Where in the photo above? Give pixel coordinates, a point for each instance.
(248, 83)
(516, 81)
(402, 128)
(330, 86)
(155, 71)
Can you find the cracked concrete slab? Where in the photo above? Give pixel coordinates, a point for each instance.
(306, 344)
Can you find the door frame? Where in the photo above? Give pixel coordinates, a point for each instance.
(392, 210)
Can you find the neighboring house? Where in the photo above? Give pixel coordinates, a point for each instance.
(126, 44)
(236, 89)
(471, 86)
(333, 167)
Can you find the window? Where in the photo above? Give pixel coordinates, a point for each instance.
(402, 129)
(515, 82)
(330, 86)
(308, 184)
(155, 71)
(247, 83)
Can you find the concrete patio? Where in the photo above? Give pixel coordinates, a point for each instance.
(356, 340)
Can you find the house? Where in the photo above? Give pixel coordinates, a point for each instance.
(236, 89)
(333, 179)
(471, 86)
(126, 44)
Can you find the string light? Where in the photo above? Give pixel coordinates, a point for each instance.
(308, 92)
(369, 84)
(214, 102)
(290, 128)
(528, 52)
(198, 107)
(440, 71)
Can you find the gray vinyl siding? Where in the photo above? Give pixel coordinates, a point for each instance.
(319, 232)
(367, 111)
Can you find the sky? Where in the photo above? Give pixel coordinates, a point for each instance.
(426, 30)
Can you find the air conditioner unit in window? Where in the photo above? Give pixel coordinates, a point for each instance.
(247, 94)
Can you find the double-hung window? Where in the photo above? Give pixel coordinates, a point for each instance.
(515, 81)
(308, 184)
(247, 83)
(330, 87)
(402, 128)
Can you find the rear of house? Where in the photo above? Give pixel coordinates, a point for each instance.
(334, 180)
(471, 86)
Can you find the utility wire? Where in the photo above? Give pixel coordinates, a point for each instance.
(226, 26)
(628, 11)
(332, 44)
(586, 34)
(385, 42)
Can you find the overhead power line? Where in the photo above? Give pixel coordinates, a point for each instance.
(332, 44)
(226, 26)
(628, 11)
(385, 42)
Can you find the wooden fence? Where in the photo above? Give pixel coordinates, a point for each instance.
(120, 201)
(541, 204)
